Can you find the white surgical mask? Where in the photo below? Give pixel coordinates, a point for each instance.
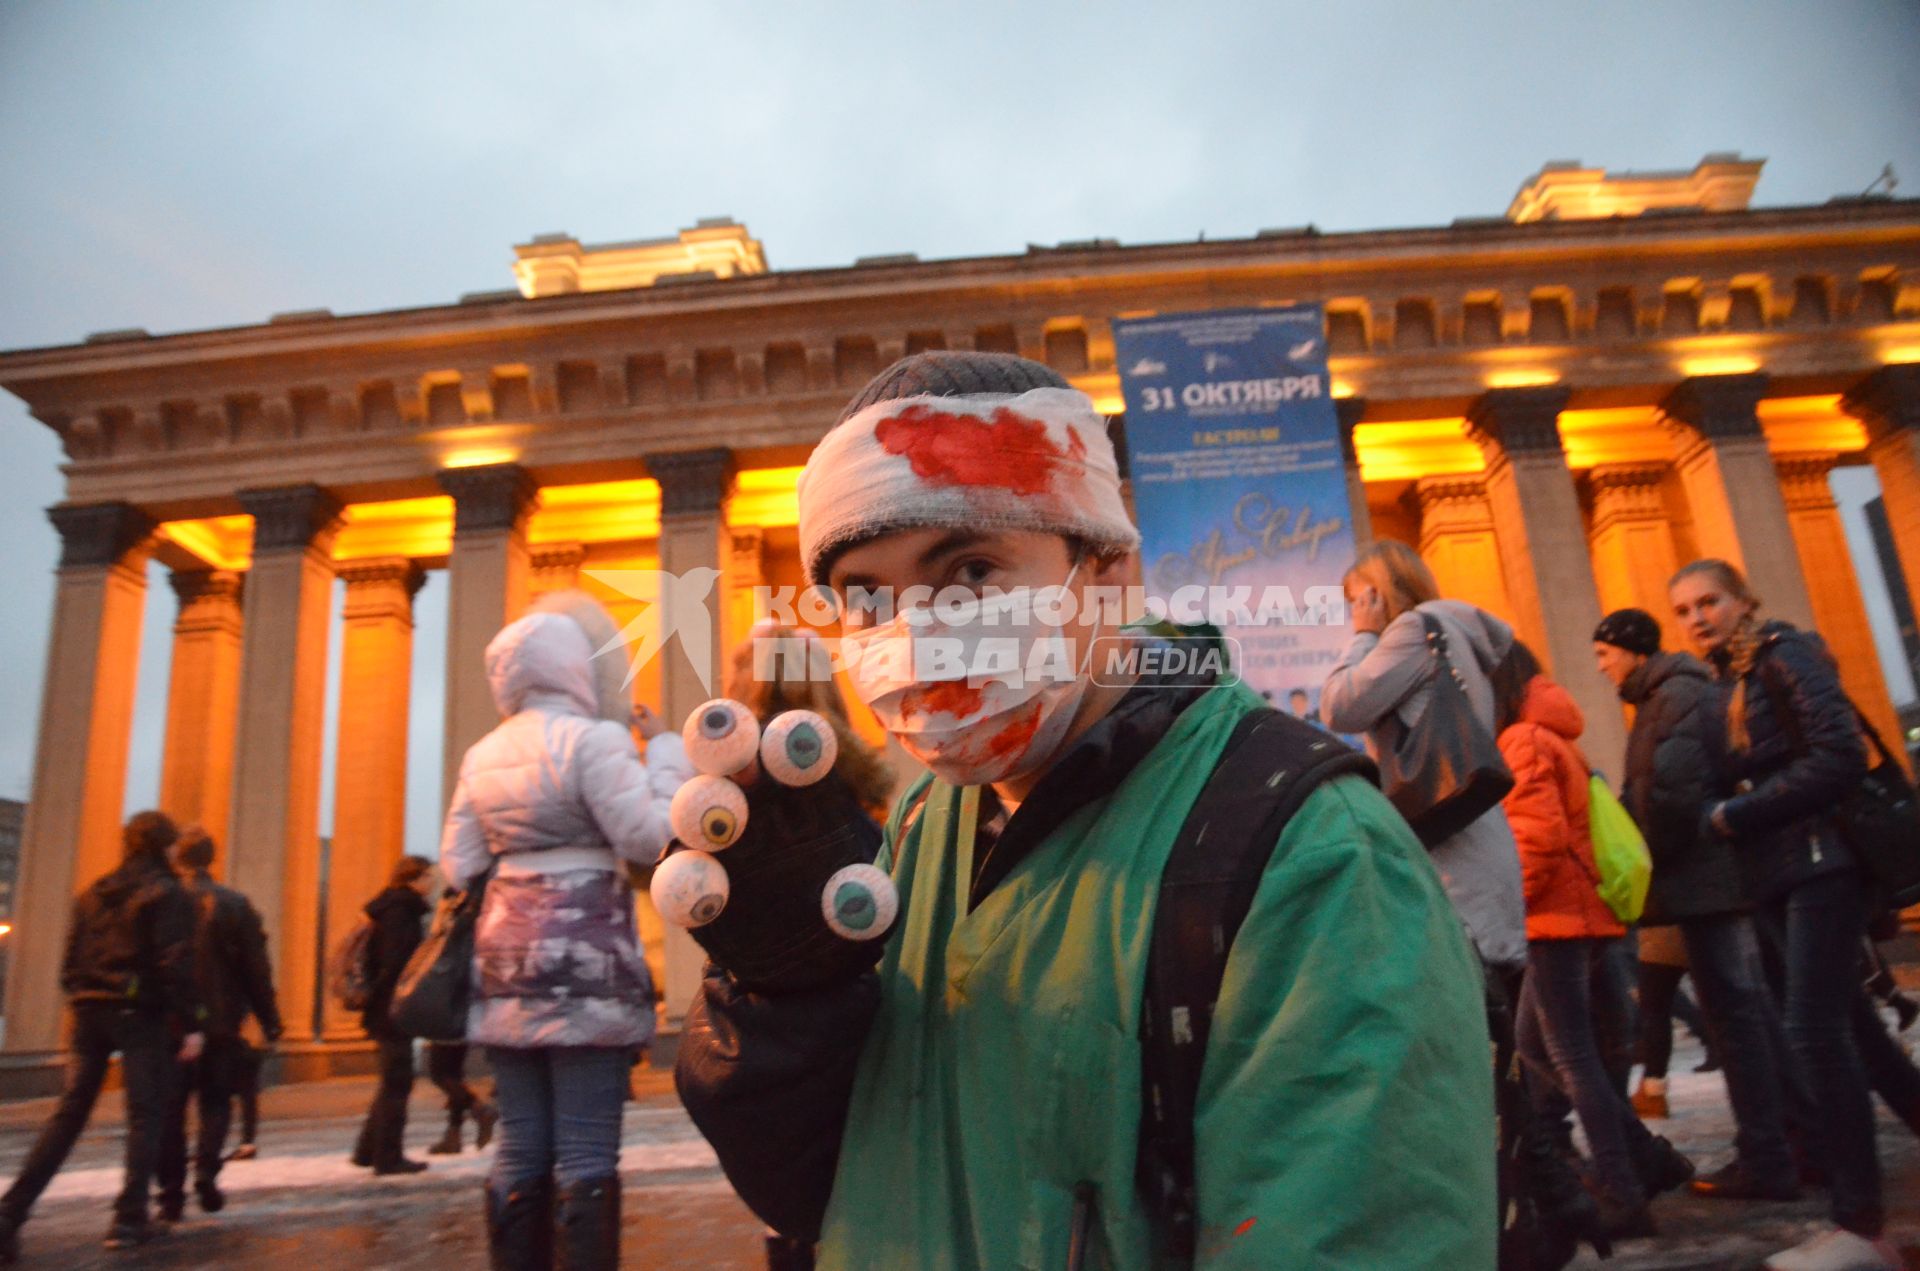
(978, 694)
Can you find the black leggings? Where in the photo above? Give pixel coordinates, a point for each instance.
(1661, 998)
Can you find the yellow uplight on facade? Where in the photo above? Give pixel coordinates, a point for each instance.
(222, 542)
(596, 512)
(479, 456)
(1902, 355)
(768, 498)
(1521, 378)
(1405, 450)
(419, 528)
(1719, 364)
(1341, 388)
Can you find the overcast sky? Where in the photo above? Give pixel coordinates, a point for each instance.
(175, 166)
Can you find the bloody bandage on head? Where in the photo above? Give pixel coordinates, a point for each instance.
(1038, 460)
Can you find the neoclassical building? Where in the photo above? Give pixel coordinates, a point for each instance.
(1558, 406)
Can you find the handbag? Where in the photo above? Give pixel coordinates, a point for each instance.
(430, 1000)
(1446, 773)
(1880, 821)
(1880, 818)
(1619, 851)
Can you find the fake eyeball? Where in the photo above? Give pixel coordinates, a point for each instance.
(689, 889)
(798, 748)
(708, 812)
(721, 736)
(859, 902)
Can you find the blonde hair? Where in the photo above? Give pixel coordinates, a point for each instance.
(1743, 646)
(767, 689)
(1397, 573)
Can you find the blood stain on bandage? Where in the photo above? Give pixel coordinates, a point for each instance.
(1007, 449)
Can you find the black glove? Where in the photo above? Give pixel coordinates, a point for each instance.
(772, 937)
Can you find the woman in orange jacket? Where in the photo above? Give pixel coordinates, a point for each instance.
(1569, 929)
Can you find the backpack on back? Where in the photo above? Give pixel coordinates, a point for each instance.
(1272, 762)
(349, 966)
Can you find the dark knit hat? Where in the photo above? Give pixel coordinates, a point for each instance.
(1631, 629)
(954, 373)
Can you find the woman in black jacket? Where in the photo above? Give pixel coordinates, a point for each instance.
(1793, 752)
(1676, 747)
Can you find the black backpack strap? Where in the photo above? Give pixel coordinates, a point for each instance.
(1272, 762)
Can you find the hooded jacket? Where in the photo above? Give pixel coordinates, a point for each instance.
(1548, 810)
(1391, 673)
(130, 943)
(1675, 754)
(558, 795)
(1804, 755)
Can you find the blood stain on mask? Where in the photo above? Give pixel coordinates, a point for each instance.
(948, 697)
(1006, 449)
(1018, 733)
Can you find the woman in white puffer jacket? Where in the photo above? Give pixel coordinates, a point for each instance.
(555, 799)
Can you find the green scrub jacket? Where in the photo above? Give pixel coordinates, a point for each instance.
(1346, 1104)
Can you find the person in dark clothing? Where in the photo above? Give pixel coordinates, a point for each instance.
(236, 980)
(129, 979)
(1676, 748)
(447, 1069)
(395, 913)
(1793, 752)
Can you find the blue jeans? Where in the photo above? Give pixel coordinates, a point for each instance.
(1818, 926)
(1559, 1047)
(1724, 959)
(560, 1112)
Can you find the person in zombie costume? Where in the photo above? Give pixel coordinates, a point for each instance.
(975, 1099)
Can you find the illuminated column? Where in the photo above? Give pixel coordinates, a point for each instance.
(1732, 490)
(203, 699)
(370, 767)
(1889, 403)
(1632, 539)
(72, 831)
(487, 588)
(273, 843)
(1351, 410)
(1839, 612)
(746, 571)
(1543, 548)
(695, 547)
(1457, 541)
(555, 567)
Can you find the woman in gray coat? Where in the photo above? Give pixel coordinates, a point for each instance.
(1387, 673)
(1384, 682)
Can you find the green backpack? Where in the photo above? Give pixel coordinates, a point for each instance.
(1626, 868)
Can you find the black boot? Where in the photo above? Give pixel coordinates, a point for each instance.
(9, 1239)
(1567, 1212)
(520, 1227)
(586, 1228)
(449, 1144)
(786, 1253)
(363, 1146)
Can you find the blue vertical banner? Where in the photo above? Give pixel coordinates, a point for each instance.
(1238, 483)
